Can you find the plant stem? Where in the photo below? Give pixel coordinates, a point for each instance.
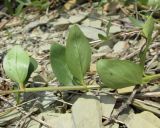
(149, 78)
(51, 88)
(21, 86)
(18, 97)
(144, 52)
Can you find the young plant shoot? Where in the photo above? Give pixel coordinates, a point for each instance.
(71, 62)
(18, 66)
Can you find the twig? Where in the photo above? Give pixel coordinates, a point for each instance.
(131, 55)
(127, 103)
(3, 13)
(26, 116)
(115, 120)
(23, 112)
(64, 102)
(156, 105)
(2, 25)
(154, 45)
(150, 94)
(95, 41)
(124, 106)
(21, 104)
(143, 106)
(150, 62)
(138, 50)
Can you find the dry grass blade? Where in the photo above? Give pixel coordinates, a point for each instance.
(23, 112)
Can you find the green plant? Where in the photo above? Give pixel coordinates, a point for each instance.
(71, 62)
(107, 36)
(121, 73)
(19, 66)
(135, 22)
(21, 4)
(9, 5)
(74, 59)
(148, 28)
(151, 3)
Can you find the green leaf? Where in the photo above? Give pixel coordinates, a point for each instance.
(108, 28)
(59, 65)
(148, 27)
(19, 9)
(102, 37)
(102, 2)
(40, 4)
(154, 3)
(16, 64)
(135, 22)
(144, 2)
(119, 73)
(24, 2)
(150, 3)
(78, 53)
(32, 67)
(8, 5)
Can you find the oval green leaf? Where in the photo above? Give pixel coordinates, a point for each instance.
(59, 65)
(119, 73)
(148, 27)
(78, 53)
(16, 64)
